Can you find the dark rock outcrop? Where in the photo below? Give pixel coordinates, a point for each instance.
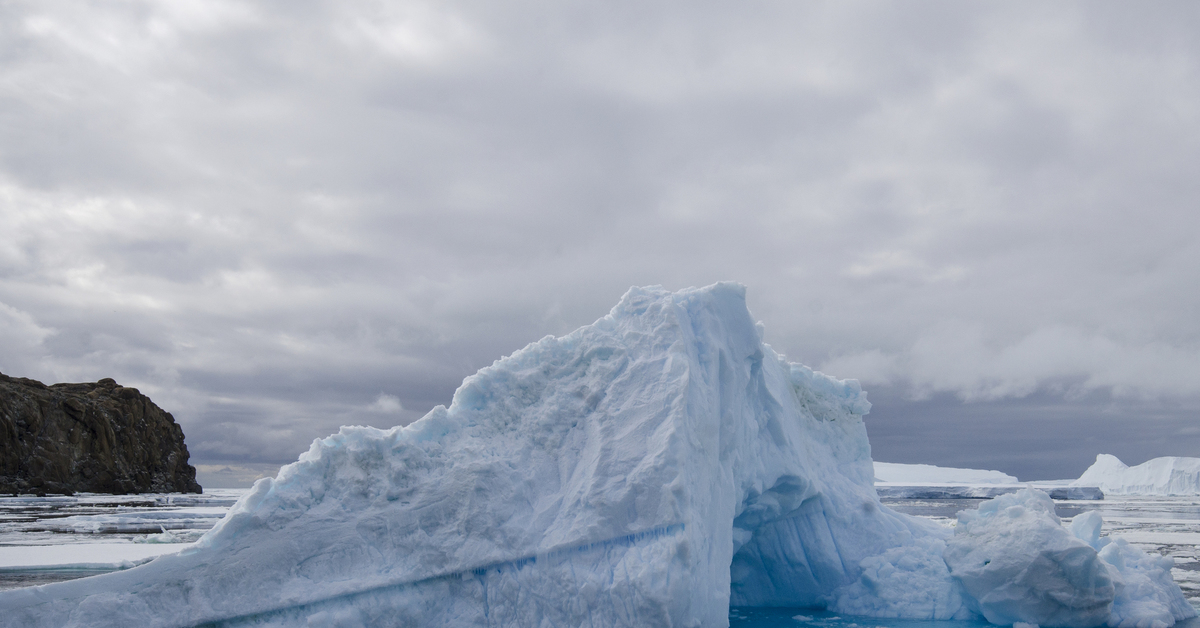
(96, 438)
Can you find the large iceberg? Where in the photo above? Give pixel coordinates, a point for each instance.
(1161, 476)
(897, 473)
(649, 469)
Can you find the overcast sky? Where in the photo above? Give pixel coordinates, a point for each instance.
(278, 218)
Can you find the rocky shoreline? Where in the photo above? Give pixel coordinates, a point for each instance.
(91, 437)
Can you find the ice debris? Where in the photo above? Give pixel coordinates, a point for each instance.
(1018, 563)
(649, 469)
(1147, 596)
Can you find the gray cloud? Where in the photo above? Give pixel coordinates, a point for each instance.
(268, 216)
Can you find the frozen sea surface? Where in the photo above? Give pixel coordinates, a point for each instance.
(52, 539)
(57, 538)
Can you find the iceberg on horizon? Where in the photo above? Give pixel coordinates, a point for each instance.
(1169, 475)
(650, 469)
(899, 473)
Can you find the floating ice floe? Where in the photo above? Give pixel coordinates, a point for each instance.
(649, 469)
(1160, 476)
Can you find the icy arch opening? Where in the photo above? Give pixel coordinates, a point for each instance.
(782, 549)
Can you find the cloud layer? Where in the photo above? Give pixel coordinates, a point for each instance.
(278, 219)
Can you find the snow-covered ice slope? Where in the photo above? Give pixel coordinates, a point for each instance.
(1160, 476)
(609, 477)
(896, 473)
(646, 470)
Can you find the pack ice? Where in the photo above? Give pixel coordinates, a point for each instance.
(649, 469)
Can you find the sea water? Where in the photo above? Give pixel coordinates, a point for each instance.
(102, 533)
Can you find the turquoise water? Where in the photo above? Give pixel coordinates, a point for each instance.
(744, 617)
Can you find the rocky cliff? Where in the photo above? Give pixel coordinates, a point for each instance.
(97, 438)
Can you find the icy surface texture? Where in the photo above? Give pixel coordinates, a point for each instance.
(1160, 476)
(640, 471)
(897, 473)
(910, 580)
(646, 470)
(1017, 563)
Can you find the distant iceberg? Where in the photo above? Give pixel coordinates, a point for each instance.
(1160, 476)
(649, 469)
(896, 473)
(924, 481)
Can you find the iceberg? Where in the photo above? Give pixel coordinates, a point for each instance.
(650, 469)
(1160, 476)
(896, 473)
(1147, 596)
(1018, 563)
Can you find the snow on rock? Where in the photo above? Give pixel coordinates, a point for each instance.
(896, 473)
(649, 469)
(1160, 476)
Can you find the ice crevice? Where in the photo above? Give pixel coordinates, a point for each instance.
(713, 470)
